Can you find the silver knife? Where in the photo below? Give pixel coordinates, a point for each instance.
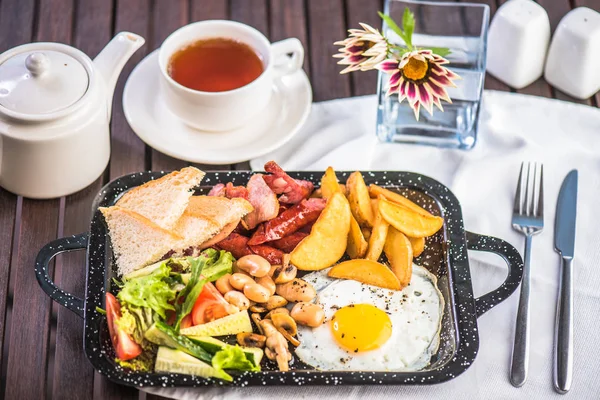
(564, 241)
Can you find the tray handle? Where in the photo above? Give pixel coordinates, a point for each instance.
(515, 269)
(46, 254)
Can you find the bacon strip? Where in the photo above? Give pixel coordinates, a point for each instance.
(273, 255)
(289, 221)
(288, 244)
(217, 190)
(264, 201)
(235, 191)
(237, 245)
(292, 190)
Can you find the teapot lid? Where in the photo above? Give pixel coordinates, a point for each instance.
(41, 82)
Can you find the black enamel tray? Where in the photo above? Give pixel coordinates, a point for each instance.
(445, 256)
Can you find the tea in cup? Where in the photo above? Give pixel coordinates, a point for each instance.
(216, 75)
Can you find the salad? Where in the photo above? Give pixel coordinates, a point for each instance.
(152, 306)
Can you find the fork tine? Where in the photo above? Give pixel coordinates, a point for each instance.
(526, 200)
(517, 207)
(540, 211)
(534, 189)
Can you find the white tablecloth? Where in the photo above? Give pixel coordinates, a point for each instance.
(513, 128)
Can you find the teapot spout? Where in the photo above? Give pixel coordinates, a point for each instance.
(112, 59)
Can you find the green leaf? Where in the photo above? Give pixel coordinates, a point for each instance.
(233, 357)
(408, 24)
(212, 264)
(393, 26)
(150, 291)
(440, 51)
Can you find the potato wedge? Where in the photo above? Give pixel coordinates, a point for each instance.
(394, 197)
(329, 184)
(418, 245)
(366, 233)
(366, 271)
(360, 202)
(407, 221)
(316, 194)
(328, 237)
(398, 251)
(378, 235)
(357, 245)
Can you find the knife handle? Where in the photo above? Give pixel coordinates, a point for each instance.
(520, 354)
(563, 337)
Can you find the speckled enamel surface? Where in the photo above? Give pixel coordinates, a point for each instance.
(445, 256)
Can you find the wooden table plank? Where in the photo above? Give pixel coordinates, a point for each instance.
(8, 208)
(128, 151)
(363, 11)
(167, 17)
(326, 25)
(288, 19)
(209, 9)
(92, 32)
(30, 317)
(251, 12)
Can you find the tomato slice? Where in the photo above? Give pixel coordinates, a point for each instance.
(125, 347)
(210, 305)
(186, 322)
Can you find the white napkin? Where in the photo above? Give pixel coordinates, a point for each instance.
(513, 128)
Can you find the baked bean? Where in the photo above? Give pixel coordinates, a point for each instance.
(256, 292)
(308, 314)
(268, 283)
(237, 299)
(238, 281)
(254, 264)
(223, 284)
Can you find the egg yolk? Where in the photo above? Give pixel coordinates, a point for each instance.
(361, 327)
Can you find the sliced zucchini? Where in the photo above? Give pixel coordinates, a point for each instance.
(176, 361)
(213, 345)
(163, 335)
(229, 325)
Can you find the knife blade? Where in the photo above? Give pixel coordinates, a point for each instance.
(564, 241)
(566, 212)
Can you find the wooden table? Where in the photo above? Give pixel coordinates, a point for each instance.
(40, 343)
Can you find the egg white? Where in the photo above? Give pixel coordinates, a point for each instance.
(416, 315)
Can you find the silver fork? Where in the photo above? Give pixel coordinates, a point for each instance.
(528, 218)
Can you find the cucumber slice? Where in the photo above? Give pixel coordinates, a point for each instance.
(163, 335)
(175, 361)
(213, 345)
(229, 325)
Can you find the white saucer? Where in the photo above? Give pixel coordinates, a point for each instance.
(159, 128)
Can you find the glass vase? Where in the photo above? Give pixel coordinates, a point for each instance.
(461, 27)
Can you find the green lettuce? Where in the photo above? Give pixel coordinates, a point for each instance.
(233, 357)
(208, 267)
(135, 321)
(150, 291)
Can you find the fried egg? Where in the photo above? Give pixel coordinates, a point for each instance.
(368, 328)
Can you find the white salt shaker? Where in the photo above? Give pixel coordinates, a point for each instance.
(573, 64)
(517, 43)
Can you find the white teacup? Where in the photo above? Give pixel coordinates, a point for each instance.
(222, 111)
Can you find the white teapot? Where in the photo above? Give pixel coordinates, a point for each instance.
(55, 107)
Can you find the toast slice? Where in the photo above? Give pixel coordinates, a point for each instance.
(136, 240)
(163, 200)
(207, 216)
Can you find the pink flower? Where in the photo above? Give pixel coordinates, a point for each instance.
(363, 49)
(420, 77)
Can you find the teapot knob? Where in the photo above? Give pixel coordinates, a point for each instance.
(37, 63)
